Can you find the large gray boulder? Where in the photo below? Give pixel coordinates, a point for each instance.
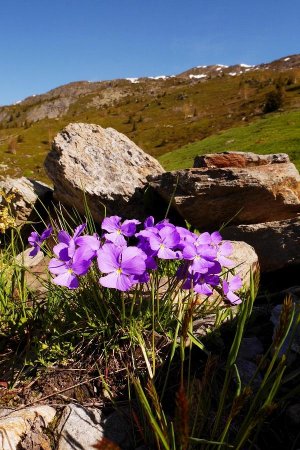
(102, 166)
(277, 243)
(261, 190)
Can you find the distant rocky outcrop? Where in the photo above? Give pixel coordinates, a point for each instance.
(232, 188)
(101, 166)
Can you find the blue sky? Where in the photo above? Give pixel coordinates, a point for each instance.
(46, 43)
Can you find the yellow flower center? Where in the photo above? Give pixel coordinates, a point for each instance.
(70, 271)
(119, 270)
(119, 231)
(162, 246)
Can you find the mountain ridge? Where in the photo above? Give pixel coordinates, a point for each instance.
(160, 114)
(284, 63)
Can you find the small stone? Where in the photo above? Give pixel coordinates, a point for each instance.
(28, 194)
(25, 260)
(250, 347)
(79, 428)
(118, 428)
(293, 413)
(247, 370)
(15, 425)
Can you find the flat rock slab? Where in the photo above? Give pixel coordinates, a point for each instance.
(104, 164)
(277, 243)
(239, 159)
(209, 197)
(17, 425)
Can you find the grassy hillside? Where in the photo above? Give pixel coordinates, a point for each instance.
(272, 133)
(159, 115)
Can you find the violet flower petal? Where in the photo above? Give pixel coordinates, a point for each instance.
(111, 223)
(66, 279)
(133, 261)
(57, 267)
(108, 258)
(78, 230)
(64, 237)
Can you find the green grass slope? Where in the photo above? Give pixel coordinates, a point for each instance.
(273, 133)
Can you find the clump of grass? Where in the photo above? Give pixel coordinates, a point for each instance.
(146, 335)
(215, 410)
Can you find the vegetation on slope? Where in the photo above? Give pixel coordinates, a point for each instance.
(274, 133)
(158, 115)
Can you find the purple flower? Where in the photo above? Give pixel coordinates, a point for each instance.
(36, 240)
(117, 230)
(222, 249)
(151, 229)
(186, 237)
(67, 244)
(124, 266)
(229, 287)
(149, 222)
(89, 245)
(150, 261)
(165, 242)
(199, 257)
(202, 283)
(67, 272)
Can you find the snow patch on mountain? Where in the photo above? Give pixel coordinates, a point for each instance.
(132, 80)
(200, 75)
(159, 77)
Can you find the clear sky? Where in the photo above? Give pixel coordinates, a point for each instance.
(46, 43)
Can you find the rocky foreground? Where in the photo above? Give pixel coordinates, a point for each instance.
(257, 197)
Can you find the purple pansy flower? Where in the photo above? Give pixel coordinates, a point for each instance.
(229, 287)
(186, 237)
(66, 247)
(89, 245)
(36, 240)
(67, 272)
(117, 230)
(164, 243)
(122, 264)
(145, 247)
(199, 257)
(151, 229)
(224, 249)
(149, 222)
(202, 283)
